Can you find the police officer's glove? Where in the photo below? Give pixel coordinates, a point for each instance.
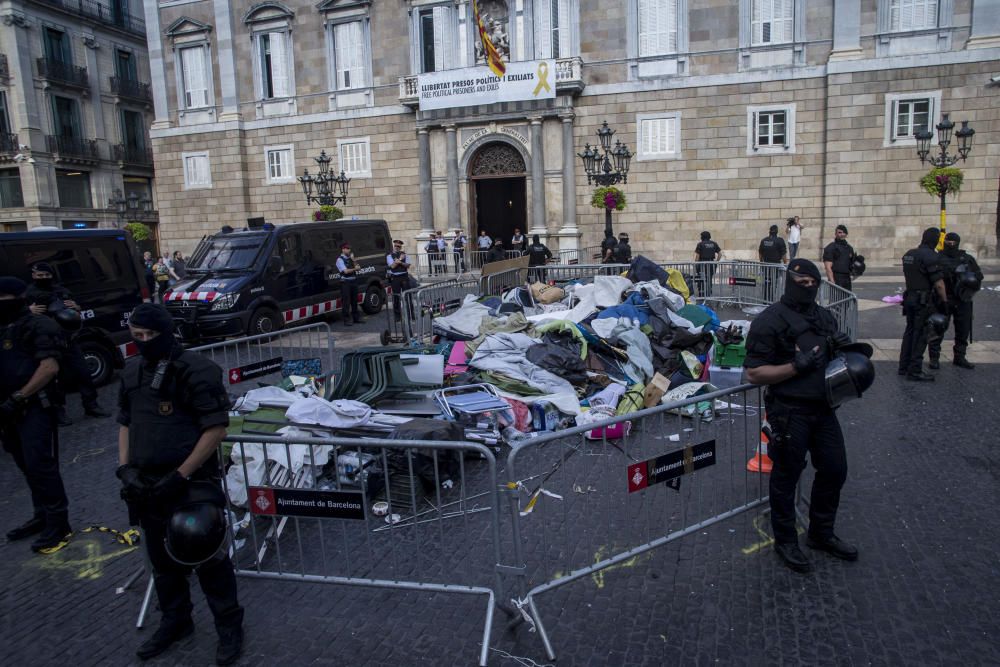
(169, 488)
(840, 339)
(808, 360)
(134, 487)
(12, 408)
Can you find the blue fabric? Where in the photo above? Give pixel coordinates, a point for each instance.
(713, 323)
(634, 308)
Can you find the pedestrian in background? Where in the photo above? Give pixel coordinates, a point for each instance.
(173, 416)
(837, 259)
(178, 268)
(496, 252)
(922, 272)
(706, 253)
(794, 231)
(962, 279)
(30, 350)
(161, 272)
(484, 242)
(519, 241)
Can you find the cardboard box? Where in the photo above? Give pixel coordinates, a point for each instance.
(655, 390)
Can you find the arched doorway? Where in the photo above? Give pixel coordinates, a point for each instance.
(499, 191)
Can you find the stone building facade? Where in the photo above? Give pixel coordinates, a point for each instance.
(75, 111)
(740, 113)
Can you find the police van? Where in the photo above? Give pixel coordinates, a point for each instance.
(260, 279)
(101, 268)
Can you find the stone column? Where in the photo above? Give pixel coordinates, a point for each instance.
(424, 174)
(537, 179)
(846, 30)
(227, 61)
(985, 25)
(451, 150)
(569, 235)
(157, 67)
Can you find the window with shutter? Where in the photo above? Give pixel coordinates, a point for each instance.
(354, 157)
(659, 136)
(274, 65)
(553, 29)
(349, 55)
(194, 77)
(197, 170)
(910, 116)
(771, 22)
(907, 15)
(657, 27)
(771, 129)
(278, 164)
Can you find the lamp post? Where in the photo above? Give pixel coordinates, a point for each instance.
(130, 207)
(330, 188)
(607, 168)
(924, 137)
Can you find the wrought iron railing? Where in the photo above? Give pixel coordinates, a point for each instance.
(72, 147)
(4, 66)
(136, 90)
(9, 144)
(107, 14)
(138, 155)
(56, 70)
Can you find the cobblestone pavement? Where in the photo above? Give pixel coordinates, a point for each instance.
(919, 502)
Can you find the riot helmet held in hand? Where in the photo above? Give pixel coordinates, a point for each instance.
(848, 375)
(196, 532)
(68, 319)
(967, 283)
(938, 322)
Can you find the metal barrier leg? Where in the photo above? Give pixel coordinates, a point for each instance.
(541, 629)
(145, 603)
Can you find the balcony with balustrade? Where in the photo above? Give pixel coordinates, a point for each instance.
(106, 15)
(9, 146)
(131, 90)
(72, 149)
(132, 156)
(57, 72)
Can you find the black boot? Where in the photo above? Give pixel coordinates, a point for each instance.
(230, 645)
(962, 362)
(834, 546)
(32, 526)
(95, 410)
(792, 556)
(53, 538)
(62, 417)
(164, 637)
(934, 363)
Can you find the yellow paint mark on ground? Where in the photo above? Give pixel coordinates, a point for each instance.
(83, 558)
(602, 554)
(767, 540)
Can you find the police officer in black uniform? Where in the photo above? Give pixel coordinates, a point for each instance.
(772, 248)
(922, 272)
(46, 297)
(538, 255)
(608, 247)
(348, 269)
(399, 276)
(837, 259)
(788, 348)
(707, 250)
(623, 251)
(173, 414)
(962, 278)
(30, 350)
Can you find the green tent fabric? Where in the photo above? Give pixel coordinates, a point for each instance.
(694, 315)
(565, 326)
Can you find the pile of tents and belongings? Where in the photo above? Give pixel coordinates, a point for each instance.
(536, 359)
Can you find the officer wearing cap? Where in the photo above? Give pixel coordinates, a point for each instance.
(348, 269)
(837, 259)
(399, 276)
(46, 297)
(788, 348)
(623, 251)
(30, 350)
(922, 272)
(962, 278)
(707, 250)
(173, 412)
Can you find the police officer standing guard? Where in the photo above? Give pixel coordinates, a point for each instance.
(348, 269)
(707, 250)
(173, 414)
(788, 348)
(837, 259)
(30, 348)
(399, 277)
(922, 272)
(962, 279)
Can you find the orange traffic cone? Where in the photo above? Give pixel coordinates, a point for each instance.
(761, 462)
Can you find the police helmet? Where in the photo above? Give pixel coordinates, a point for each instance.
(939, 322)
(68, 319)
(196, 531)
(967, 285)
(847, 376)
(858, 266)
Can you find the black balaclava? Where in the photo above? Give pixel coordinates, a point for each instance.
(43, 283)
(951, 243)
(930, 237)
(534, 239)
(156, 318)
(11, 309)
(774, 230)
(797, 296)
(705, 236)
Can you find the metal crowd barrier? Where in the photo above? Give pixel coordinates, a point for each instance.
(585, 255)
(387, 514)
(579, 506)
(452, 262)
(421, 306)
(261, 358)
(843, 304)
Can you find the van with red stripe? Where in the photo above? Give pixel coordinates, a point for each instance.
(259, 279)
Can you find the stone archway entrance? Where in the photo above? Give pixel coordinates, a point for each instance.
(498, 192)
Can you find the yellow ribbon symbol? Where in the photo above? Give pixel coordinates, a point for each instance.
(543, 78)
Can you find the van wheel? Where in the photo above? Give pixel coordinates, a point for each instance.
(374, 300)
(99, 361)
(263, 321)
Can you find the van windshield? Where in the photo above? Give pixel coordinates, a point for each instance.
(219, 254)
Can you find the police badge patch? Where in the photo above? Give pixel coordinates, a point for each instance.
(166, 408)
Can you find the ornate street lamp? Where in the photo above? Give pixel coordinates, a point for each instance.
(607, 168)
(130, 207)
(944, 159)
(330, 188)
